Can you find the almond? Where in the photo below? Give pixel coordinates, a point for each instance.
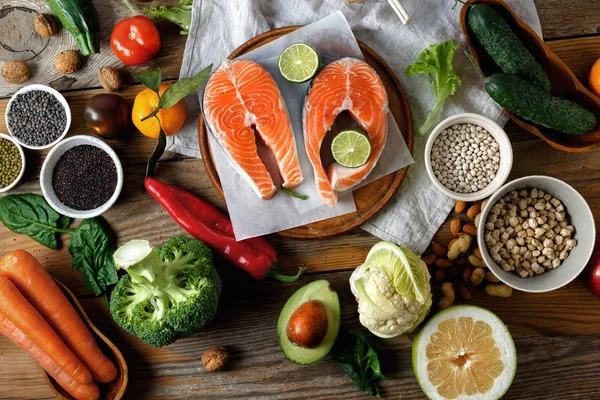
(470, 229)
(441, 263)
(440, 275)
(462, 261)
(477, 252)
(464, 292)
(455, 226)
(430, 259)
(473, 211)
(438, 249)
(460, 207)
(466, 275)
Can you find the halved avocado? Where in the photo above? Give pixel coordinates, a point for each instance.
(318, 294)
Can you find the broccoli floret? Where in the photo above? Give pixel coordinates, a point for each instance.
(168, 293)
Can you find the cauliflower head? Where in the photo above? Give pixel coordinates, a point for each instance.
(393, 290)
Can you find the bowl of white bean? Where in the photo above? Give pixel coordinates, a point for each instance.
(468, 157)
(536, 233)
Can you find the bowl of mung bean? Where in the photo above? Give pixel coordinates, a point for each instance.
(536, 233)
(468, 157)
(12, 163)
(37, 117)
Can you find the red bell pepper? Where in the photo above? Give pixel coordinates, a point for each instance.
(206, 223)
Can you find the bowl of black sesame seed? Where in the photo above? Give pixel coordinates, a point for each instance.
(38, 117)
(81, 177)
(12, 163)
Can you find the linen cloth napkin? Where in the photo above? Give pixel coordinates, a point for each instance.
(417, 210)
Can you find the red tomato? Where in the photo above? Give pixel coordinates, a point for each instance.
(135, 40)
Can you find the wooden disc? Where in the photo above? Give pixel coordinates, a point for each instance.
(370, 198)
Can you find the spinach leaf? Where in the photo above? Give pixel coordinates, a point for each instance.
(356, 355)
(31, 215)
(92, 247)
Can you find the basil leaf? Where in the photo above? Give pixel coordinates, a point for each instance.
(356, 355)
(150, 78)
(161, 144)
(183, 87)
(31, 215)
(291, 193)
(92, 247)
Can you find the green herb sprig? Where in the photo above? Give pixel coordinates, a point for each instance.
(151, 79)
(354, 352)
(92, 242)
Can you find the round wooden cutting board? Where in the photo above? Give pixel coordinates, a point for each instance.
(370, 198)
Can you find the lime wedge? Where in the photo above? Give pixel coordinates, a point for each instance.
(464, 352)
(299, 63)
(351, 148)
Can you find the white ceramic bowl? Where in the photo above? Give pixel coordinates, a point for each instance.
(579, 215)
(61, 100)
(14, 183)
(506, 155)
(48, 168)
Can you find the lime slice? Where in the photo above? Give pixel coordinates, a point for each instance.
(464, 352)
(351, 148)
(299, 63)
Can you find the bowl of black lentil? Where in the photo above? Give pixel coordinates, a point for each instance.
(81, 177)
(12, 163)
(38, 117)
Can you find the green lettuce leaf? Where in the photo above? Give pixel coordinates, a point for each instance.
(436, 62)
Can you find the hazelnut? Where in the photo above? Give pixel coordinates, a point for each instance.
(15, 72)
(110, 79)
(68, 62)
(45, 24)
(215, 359)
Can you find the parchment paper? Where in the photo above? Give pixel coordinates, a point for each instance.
(251, 216)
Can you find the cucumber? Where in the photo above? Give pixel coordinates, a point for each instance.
(537, 106)
(505, 48)
(80, 18)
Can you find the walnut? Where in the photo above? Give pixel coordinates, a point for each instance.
(45, 24)
(110, 79)
(15, 72)
(68, 62)
(215, 359)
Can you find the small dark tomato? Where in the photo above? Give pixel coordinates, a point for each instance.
(108, 115)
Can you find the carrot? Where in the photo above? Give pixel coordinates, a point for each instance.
(39, 288)
(31, 323)
(77, 390)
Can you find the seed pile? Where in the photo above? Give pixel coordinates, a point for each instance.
(10, 162)
(465, 158)
(36, 118)
(528, 232)
(84, 178)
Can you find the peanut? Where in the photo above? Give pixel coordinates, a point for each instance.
(473, 211)
(455, 226)
(498, 290)
(429, 259)
(438, 249)
(476, 261)
(447, 295)
(477, 276)
(490, 277)
(441, 263)
(477, 218)
(460, 207)
(461, 245)
(452, 241)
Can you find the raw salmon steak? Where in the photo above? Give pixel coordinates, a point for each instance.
(347, 84)
(242, 101)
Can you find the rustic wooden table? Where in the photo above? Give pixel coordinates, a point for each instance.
(557, 334)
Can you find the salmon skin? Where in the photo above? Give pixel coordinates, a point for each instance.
(348, 84)
(241, 97)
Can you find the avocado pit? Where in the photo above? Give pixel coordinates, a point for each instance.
(308, 325)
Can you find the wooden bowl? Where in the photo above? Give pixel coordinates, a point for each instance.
(114, 390)
(369, 199)
(564, 83)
